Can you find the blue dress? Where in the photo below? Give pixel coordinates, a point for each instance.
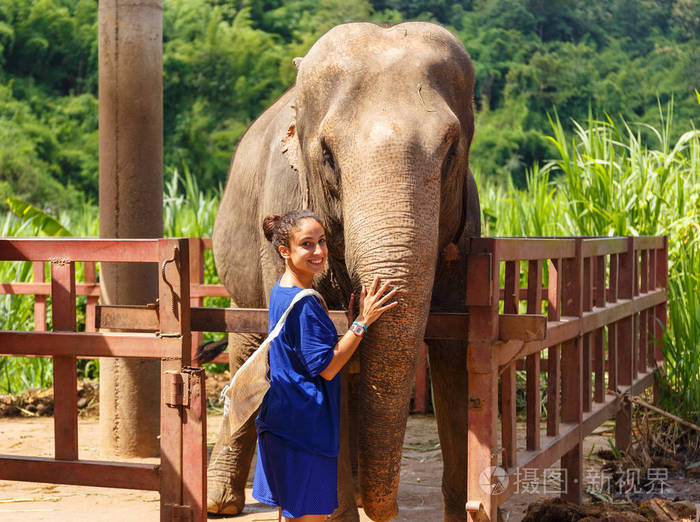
(299, 420)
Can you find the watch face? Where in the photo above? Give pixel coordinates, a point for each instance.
(356, 329)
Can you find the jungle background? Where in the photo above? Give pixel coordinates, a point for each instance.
(585, 116)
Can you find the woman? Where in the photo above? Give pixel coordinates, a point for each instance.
(298, 423)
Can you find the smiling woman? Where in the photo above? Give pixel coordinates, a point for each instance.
(299, 421)
(304, 251)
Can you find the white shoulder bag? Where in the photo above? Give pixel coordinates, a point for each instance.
(250, 383)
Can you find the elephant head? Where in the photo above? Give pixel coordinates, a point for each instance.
(383, 125)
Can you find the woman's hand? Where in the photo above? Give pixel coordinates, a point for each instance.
(373, 302)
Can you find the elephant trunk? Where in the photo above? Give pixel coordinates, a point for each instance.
(402, 247)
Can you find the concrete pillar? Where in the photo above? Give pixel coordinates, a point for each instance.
(131, 205)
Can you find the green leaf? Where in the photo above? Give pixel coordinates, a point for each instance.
(47, 224)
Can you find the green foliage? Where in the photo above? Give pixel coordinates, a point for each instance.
(225, 62)
(604, 181)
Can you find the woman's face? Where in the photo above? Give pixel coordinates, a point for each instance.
(307, 250)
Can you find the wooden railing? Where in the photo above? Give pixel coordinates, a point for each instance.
(605, 303)
(180, 477)
(594, 328)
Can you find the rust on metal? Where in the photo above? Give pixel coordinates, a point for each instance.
(177, 387)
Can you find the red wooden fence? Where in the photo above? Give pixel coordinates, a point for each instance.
(180, 477)
(605, 306)
(598, 321)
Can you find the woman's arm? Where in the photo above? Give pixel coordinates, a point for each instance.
(371, 307)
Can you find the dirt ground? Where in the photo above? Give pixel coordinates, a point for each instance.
(420, 497)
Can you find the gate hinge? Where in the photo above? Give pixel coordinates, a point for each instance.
(177, 389)
(180, 513)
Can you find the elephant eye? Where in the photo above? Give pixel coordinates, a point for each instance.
(331, 174)
(328, 157)
(450, 160)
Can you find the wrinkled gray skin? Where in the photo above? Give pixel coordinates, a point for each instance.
(374, 137)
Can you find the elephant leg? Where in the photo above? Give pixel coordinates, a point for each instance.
(448, 373)
(230, 460)
(347, 508)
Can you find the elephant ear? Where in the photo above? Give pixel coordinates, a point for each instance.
(291, 148)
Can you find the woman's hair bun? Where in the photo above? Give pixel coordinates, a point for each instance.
(269, 224)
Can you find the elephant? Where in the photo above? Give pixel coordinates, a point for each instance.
(374, 137)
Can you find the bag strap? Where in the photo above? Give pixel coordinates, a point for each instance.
(300, 295)
(272, 335)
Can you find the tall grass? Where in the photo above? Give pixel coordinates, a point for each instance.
(605, 180)
(608, 180)
(187, 212)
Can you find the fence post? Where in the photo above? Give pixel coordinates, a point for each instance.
(196, 278)
(90, 272)
(625, 344)
(571, 373)
(598, 337)
(644, 314)
(612, 328)
(587, 290)
(511, 300)
(39, 300)
(532, 363)
(174, 314)
(553, 352)
(661, 281)
(482, 415)
(65, 378)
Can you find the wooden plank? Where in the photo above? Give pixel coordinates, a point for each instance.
(80, 473)
(196, 278)
(532, 363)
(64, 250)
(599, 365)
(522, 327)
(532, 394)
(553, 352)
(446, 326)
(174, 317)
(482, 421)
(614, 283)
(603, 246)
(194, 451)
(534, 287)
(508, 422)
(90, 274)
(620, 309)
(202, 290)
(142, 318)
(572, 376)
(511, 249)
(648, 242)
(65, 378)
(479, 273)
(39, 300)
(511, 295)
(88, 345)
(44, 289)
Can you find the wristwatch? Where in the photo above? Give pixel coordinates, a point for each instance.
(358, 328)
